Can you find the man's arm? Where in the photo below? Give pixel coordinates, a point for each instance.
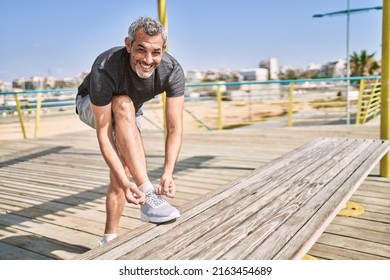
(174, 120)
(103, 123)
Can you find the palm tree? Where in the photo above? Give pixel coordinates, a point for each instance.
(363, 64)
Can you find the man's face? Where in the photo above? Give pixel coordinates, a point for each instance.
(145, 53)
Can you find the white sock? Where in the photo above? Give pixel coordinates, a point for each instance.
(146, 186)
(107, 237)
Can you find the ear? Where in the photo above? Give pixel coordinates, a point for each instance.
(128, 44)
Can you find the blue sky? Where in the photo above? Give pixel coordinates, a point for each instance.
(62, 37)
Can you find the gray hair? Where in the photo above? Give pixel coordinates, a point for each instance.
(151, 27)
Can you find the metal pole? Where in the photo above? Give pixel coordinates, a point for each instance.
(162, 13)
(347, 66)
(38, 114)
(385, 87)
(290, 104)
(20, 115)
(219, 106)
(162, 17)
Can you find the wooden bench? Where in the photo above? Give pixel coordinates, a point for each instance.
(278, 211)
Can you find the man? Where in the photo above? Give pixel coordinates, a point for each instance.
(110, 100)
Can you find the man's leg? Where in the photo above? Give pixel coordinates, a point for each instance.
(128, 138)
(115, 202)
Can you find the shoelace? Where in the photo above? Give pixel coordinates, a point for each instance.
(153, 199)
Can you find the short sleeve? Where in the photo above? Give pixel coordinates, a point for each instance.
(176, 82)
(101, 86)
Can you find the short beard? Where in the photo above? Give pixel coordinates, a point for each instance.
(143, 76)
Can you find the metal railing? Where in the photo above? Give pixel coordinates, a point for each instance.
(281, 103)
(369, 103)
(223, 105)
(32, 103)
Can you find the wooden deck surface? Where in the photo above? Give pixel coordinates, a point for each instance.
(52, 190)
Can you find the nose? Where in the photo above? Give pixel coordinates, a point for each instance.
(148, 58)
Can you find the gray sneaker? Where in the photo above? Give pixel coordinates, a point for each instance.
(156, 209)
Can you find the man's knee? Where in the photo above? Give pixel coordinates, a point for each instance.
(122, 108)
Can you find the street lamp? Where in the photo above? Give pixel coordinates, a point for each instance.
(348, 11)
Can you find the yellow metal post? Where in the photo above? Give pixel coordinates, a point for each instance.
(162, 17)
(162, 13)
(360, 101)
(290, 104)
(37, 114)
(385, 87)
(19, 110)
(219, 105)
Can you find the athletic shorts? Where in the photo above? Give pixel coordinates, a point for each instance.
(85, 112)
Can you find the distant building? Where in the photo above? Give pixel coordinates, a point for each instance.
(28, 83)
(5, 86)
(211, 75)
(49, 82)
(37, 83)
(193, 76)
(254, 74)
(334, 69)
(272, 66)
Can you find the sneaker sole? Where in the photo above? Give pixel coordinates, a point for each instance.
(160, 220)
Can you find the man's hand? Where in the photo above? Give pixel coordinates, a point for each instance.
(134, 195)
(167, 186)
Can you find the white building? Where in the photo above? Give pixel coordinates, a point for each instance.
(335, 69)
(339, 68)
(254, 74)
(272, 66)
(5, 86)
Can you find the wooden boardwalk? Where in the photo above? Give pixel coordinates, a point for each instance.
(52, 190)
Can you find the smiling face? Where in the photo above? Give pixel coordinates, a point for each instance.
(145, 53)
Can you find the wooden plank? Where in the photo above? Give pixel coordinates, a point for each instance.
(330, 252)
(371, 200)
(372, 207)
(377, 217)
(362, 234)
(129, 220)
(373, 248)
(359, 224)
(115, 248)
(376, 184)
(290, 216)
(208, 226)
(9, 252)
(373, 194)
(359, 172)
(50, 230)
(44, 248)
(232, 235)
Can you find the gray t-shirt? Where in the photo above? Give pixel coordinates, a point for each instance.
(112, 75)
